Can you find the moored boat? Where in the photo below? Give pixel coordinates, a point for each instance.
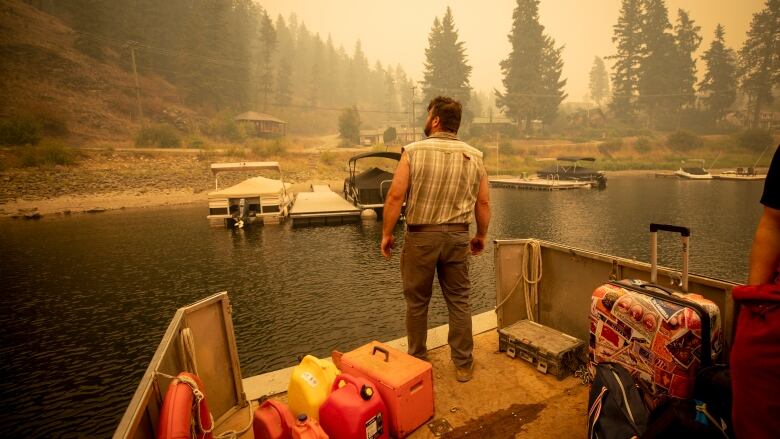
(693, 171)
(740, 174)
(505, 397)
(569, 168)
(254, 199)
(367, 189)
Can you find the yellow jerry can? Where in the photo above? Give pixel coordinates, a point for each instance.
(310, 384)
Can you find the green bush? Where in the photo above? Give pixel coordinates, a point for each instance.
(20, 131)
(643, 145)
(159, 135)
(684, 141)
(48, 153)
(755, 139)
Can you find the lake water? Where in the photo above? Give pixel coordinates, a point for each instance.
(87, 298)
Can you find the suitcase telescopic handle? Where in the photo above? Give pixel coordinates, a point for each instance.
(685, 235)
(382, 350)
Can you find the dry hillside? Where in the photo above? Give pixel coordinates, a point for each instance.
(43, 75)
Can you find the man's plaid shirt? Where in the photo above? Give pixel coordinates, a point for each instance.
(443, 181)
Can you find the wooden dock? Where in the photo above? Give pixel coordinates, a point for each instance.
(322, 206)
(538, 184)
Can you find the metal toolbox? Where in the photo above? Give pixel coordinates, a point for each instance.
(551, 351)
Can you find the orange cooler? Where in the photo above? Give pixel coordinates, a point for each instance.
(404, 382)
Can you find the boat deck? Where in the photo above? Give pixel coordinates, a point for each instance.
(322, 206)
(538, 184)
(506, 398)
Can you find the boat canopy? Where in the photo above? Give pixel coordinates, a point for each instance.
(569, 158)
(244, 166)
(383, 154)
(252, 187)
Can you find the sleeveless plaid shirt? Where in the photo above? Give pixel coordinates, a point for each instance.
(443, 181)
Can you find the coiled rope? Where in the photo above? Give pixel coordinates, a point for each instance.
(530, 276)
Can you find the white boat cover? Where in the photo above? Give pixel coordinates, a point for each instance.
(252, 187)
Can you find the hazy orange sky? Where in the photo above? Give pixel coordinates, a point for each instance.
(396, 32)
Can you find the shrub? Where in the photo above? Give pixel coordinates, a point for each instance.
(389, 135)
(196, 142)
(224, 127)
(48, 153)
(159, 135)
(236, 151)
(643, 145)
(20, 131)
(610, 146)
(505, 147)
(327, 157)
(684, 141)
(755, 139)
(268, 147)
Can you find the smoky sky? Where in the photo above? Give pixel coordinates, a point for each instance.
(396, 32)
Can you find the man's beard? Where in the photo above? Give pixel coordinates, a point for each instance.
(428, 127)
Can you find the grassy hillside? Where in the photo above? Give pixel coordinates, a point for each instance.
(45, 78)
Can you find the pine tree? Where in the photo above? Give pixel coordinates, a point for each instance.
(204, 67)
(659, 75)
(349, 125)
(599, 81)
(446, 69)
(625, 75)
(687, 36)
(552, 84)
(266, 44)
(522, 81)
(284, 92)
(719, 83)
(759, 59)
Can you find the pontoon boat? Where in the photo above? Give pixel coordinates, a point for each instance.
(257, 198)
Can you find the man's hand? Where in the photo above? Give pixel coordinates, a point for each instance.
(477, 245)
(388, 242)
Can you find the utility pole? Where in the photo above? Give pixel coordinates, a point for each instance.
(414, 136)
(132, 45)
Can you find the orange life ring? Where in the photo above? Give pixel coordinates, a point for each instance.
(177, 414)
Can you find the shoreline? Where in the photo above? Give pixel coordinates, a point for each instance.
(21, 208)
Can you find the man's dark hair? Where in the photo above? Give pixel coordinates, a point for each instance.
(449, 111)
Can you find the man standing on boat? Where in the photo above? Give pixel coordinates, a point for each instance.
(447, 184)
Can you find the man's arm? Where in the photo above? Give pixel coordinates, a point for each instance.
(765, 254)
(482, 215)
(393, 203)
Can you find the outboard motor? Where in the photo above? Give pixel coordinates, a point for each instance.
(601, 181)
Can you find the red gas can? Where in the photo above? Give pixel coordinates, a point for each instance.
(355, 411)
(273, 420)
(307, 428)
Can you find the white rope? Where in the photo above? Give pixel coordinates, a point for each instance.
(532, 258)
(531, 276)
(188, 347)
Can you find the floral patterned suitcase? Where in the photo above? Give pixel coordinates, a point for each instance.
(661, 337)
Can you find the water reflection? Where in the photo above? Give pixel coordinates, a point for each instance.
(87, 298)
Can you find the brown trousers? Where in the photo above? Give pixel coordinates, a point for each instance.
(446, 254)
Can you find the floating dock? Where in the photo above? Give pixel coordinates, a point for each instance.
(322, 206)
(538, 184)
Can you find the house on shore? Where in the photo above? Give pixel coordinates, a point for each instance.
(264, 125)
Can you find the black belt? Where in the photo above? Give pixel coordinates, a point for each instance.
(437, 227)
